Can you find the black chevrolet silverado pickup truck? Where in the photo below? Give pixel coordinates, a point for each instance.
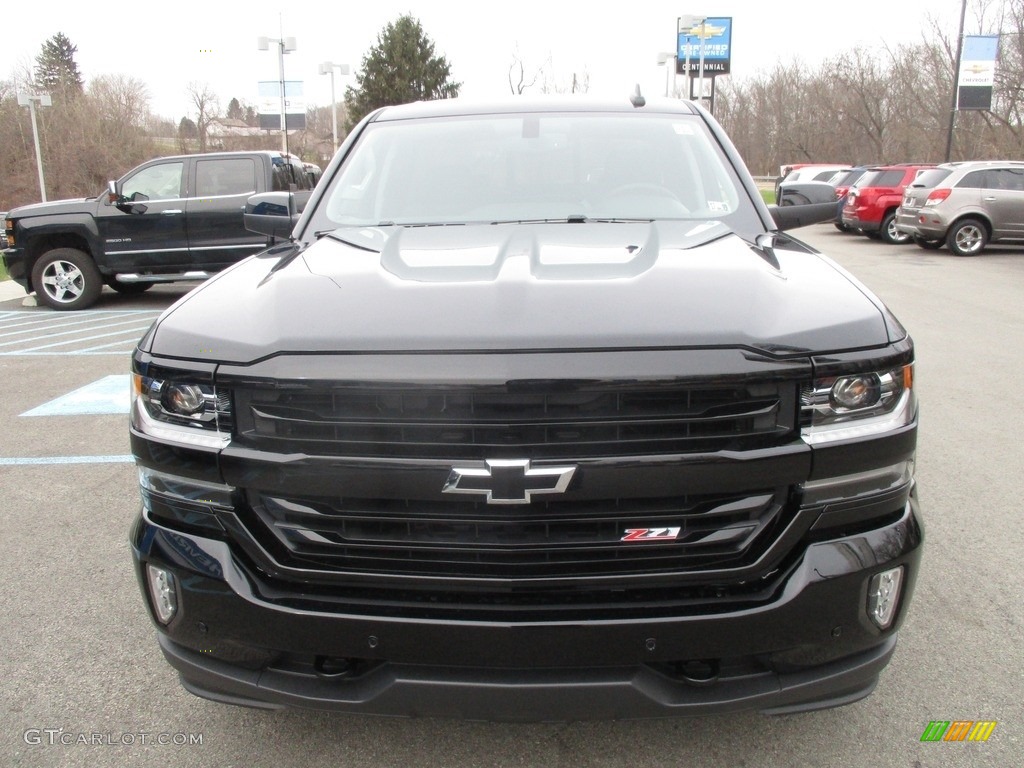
(172, 218)
(539, 415)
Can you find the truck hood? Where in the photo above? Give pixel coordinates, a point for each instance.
(525, 287)
(77, 205)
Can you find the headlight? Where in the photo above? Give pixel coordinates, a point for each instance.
(181, 412)
(858, 405)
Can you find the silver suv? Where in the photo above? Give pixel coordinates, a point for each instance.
(965, 206)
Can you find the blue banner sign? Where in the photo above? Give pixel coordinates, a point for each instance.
(977, 72)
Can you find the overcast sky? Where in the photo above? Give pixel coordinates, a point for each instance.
(168, 45)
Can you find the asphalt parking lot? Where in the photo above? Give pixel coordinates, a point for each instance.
(85, 685)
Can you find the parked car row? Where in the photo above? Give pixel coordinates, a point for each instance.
(963, 206)
(808, 184)
(870, 205)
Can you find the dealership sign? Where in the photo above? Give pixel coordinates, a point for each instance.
(270, 105)
(977, 72)
(716, 34)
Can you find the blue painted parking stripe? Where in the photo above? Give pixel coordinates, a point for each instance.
(29, 461)
(109, 395)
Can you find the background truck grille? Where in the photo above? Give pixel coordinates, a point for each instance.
(538, 420)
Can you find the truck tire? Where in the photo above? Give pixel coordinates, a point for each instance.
(967, 237)
(129, 289)
(928, 244)
(66, 279)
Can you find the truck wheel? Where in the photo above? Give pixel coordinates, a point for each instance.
(967, 237)
(928, 244)
(889, 232)
(66, 279)
(129, 289)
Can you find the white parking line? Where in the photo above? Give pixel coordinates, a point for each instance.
(23, 333)
(47, 460)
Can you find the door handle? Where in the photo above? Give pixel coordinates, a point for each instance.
(988, 199)
(170, 212)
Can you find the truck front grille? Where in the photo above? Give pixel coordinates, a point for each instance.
(539, 420)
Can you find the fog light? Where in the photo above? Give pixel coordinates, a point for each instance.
(883, 596)
(163, 592)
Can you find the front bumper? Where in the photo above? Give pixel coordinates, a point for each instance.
(14, 263)
(241, 640)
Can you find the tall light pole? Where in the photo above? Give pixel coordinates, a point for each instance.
(284, 45)
(700, 80)
(956, 80)
(663, 59)
(29, 100)
(326, 67)
(685, 26)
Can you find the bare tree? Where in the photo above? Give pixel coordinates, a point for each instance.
(518, 80)
(207, 108)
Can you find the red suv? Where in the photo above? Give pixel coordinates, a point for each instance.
(872, 201)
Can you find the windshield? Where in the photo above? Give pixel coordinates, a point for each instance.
(532, 167)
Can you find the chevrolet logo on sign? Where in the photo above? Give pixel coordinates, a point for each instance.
(508, 481)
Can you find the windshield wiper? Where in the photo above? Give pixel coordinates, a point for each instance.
(422, 224)
(572, 218)
(576, 218)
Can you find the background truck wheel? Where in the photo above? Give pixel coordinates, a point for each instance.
(889, 232)
(967, 237)
(928, 244)
(66, 279)
(128, 289)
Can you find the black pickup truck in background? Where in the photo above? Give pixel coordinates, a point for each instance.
(172, 218)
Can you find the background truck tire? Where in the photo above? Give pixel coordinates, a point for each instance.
(128, 289)
(66, 279)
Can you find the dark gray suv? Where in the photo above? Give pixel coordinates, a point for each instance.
(965, 206)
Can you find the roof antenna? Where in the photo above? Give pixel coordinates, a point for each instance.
(637, 99)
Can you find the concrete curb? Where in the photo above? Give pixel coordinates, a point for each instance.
(10, 290)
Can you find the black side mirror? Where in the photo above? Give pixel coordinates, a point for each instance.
(272, 214)
(794, 216)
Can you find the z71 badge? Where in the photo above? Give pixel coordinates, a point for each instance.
(651, 534)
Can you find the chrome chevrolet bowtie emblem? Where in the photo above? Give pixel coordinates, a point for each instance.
(508, 481)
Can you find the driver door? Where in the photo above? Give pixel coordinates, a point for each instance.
(145, 230)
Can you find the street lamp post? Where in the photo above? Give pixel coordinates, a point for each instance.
(29, 100)
(284, 45)
(326, 67)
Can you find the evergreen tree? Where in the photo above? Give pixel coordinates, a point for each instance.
(235, 111)
(400, 68)
(56, 69)
(187, 129)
